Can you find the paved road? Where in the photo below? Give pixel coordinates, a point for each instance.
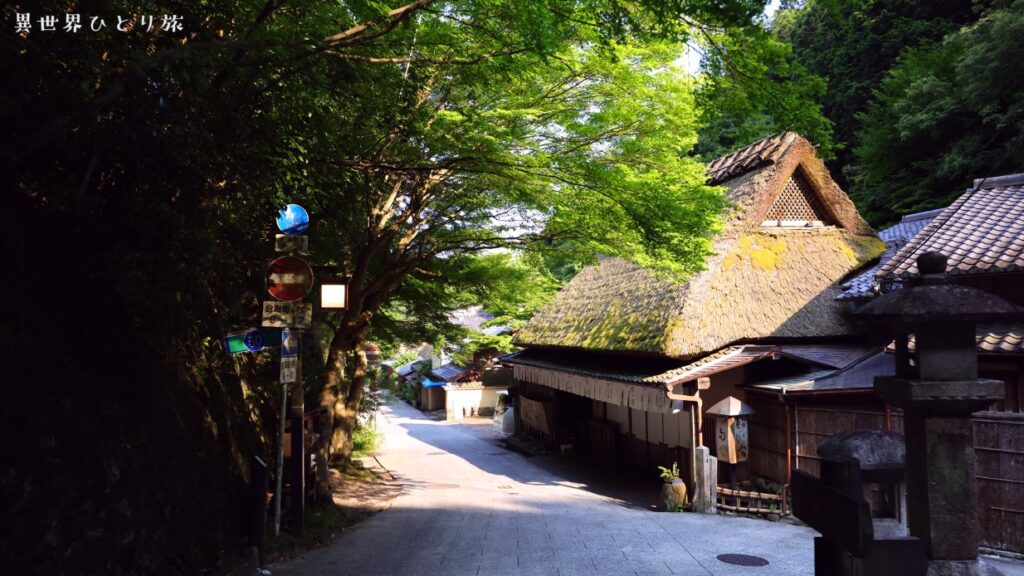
(471, 508)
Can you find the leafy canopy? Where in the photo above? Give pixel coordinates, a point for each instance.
(944, 116)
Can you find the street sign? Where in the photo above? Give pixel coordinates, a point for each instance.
(251, 340)
(292, 219)
(372, 352)
(289, 278)
(291, 243)
(289, 370)
(289, 343)
(287, 314)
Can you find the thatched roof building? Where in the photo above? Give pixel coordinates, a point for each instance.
(791, 235)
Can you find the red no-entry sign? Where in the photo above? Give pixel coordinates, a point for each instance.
(289, 278)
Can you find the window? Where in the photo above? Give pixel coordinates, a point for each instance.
(797, 206)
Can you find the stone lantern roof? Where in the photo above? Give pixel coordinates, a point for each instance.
(932, 299)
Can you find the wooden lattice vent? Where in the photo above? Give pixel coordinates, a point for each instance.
(797, 206)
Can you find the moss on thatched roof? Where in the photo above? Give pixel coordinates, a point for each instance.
(760, 283)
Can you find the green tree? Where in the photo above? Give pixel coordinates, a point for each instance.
(852, 44)
(145, 170)
(942, 117)
(751, 87)
(511, 154)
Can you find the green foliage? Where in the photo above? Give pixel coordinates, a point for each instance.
(669, 473)
(943, 116)
(476, 342)
(852, 44)
(752, 86)
(364, 441)
(145, 171)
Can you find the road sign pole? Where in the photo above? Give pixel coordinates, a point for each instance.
(280, 460)
(298, 463)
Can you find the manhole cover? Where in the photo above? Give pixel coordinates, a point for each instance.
(742, 560)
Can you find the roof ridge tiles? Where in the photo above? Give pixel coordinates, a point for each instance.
(1006, 180)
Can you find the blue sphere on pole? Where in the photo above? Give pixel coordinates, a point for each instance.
(292, 219)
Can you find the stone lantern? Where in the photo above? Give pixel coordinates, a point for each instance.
(938, 390)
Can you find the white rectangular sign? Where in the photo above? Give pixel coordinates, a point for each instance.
(291, 243)
(287, 315)
(289, 370)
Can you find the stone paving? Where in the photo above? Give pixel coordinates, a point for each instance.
(471, 508)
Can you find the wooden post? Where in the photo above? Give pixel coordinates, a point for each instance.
(258, 507)
(298, 461)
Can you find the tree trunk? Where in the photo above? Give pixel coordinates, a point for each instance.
(346, 417)
(333, 382)
(339, 401)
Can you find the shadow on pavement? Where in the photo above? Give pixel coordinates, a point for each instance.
(628, 487)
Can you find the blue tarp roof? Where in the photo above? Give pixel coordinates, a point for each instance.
(428, 383)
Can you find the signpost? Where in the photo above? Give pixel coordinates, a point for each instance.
(289, 279)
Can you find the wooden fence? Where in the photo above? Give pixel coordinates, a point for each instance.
(999, 445)
(751, 501)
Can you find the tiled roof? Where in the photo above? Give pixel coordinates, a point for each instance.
(991, 339)
(859, 376)
(862, 286)
(639, 371)
(908, 227)
(830, 355)
(982, 232)
(1000, 338)
(780, 384)
(406, 369)
(749, 157)
(448, 372)
(724, 359)
(470, 318)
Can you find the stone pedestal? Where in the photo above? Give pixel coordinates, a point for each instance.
(706, 481)
(941, 488)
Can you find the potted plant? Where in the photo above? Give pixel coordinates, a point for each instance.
(673, 492)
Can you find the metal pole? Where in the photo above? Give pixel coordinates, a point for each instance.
(258, 512)
(280, 460)
(298, 463)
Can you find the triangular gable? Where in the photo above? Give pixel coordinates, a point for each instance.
(791, 188)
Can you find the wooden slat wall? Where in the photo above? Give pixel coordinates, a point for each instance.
(768, 439)
(813, 424)
(999, 445)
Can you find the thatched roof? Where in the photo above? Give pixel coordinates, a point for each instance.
(762, 281)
